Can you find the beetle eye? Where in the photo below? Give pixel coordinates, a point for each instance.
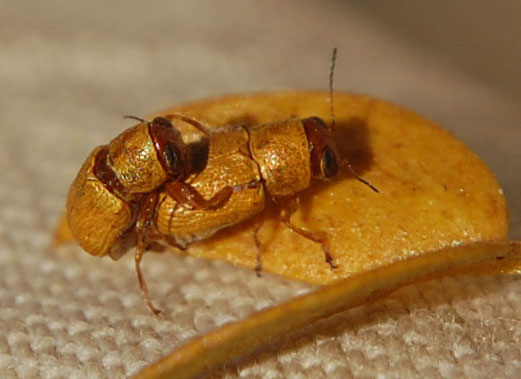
(328, 163)
(172, 159)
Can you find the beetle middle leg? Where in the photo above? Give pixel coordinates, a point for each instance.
(289, 206)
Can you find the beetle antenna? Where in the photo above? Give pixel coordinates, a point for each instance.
(331, 74)
(355, 175)
(333, 123)
(196, 124)
(134, 118)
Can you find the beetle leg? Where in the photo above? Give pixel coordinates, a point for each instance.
(290, 205)
(184, 194)
(258, 246)
(188, 120)
(143, 224)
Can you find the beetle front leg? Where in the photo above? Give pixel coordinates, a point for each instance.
(186, 195)
(289, 206)
(143, 224)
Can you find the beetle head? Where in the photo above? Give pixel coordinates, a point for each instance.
(324, 156)
(172, 152)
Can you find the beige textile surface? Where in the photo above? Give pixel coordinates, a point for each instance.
(69, 70)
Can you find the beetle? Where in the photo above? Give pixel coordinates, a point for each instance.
(110, 204)
(277, 160)
(148, 188)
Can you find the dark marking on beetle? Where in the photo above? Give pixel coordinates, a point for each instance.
(106, 174)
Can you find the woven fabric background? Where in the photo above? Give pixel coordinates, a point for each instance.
(70, 70)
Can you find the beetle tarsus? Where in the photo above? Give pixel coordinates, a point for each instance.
(329, 257)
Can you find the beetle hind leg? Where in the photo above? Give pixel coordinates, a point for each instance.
(290, 205)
